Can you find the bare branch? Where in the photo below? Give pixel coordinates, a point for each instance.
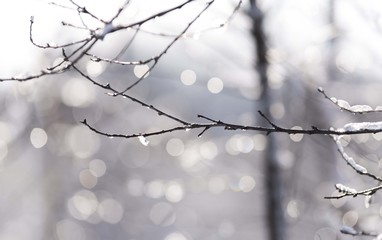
(157, 58)
(114, 91)
(192, 34)
(159, 14)
(81, 9)
(120, 10)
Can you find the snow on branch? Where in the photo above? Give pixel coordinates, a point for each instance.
(350, 161)
(348, 191)
(360, 126)
(345, 106)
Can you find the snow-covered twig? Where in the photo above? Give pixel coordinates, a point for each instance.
(345, 106)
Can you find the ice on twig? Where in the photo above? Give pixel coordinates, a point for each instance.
(343, 189)
(352, 163)
(360, 108)
(343, 104)
(346, 106)
(360, 168)
(348, 159)
(339, 145)
(361, 126)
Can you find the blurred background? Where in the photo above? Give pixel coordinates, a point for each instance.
(59, 180)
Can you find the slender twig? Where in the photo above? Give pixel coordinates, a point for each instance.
(366, 192)
(113, 91)
(344, 106)
(192, 34)
(159, 14)
(157, 58)
(353, 166)
(127, 45)
(119, 11)
(81, 9)
(186, 126)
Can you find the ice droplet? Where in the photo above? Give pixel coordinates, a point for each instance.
(368, 201)
(143, 140)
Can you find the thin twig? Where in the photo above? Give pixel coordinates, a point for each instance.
(366, 192)
(157, 58)
(344, 106)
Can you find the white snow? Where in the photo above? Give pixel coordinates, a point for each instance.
(347, 158)
(345, 189)
(360, 108)
(353, 127)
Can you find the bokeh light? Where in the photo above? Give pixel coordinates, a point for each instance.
(154, 189)
(176, 236)
(215, 85)
(217, 184)
(141, 70)
(97, 167)
(5, 131)
(3, 151)
(67, 230)
(38, 137)
(175, 147)
(135, 187)
(277, 110)
(83, 204)
(247, 183)
(88, 179)
(78, 92)
(292, 209)
(82, 142)
(239, 144)
(188, 77)
(208, 150)
(94, 69)
(260, 142)
(163, 214)
(174, 192)
(350, 218)
(110, 210)
(226, 229)
(296, 137)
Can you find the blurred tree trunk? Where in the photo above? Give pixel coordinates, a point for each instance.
(331, 67)
(273, 185)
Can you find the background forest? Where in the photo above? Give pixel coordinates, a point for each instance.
(61, 180)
